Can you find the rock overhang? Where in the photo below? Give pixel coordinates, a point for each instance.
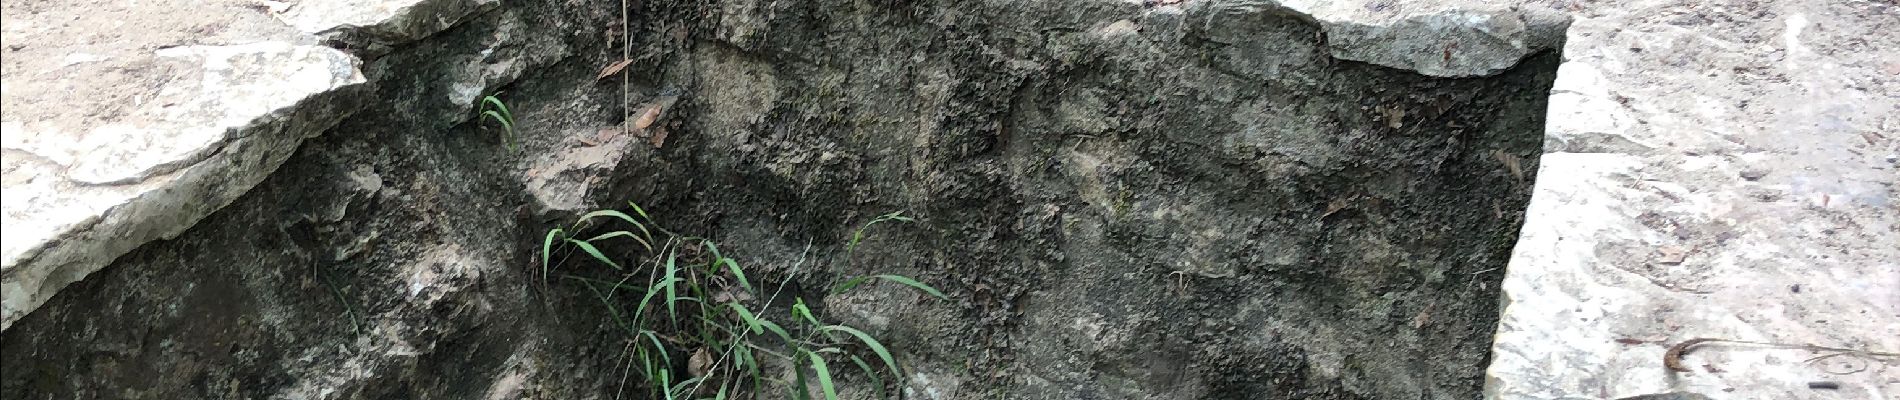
(115, 137)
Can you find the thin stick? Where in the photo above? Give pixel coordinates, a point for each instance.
(1672, 359)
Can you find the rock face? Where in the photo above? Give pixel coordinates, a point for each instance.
(1713, 170)
(1123, 200)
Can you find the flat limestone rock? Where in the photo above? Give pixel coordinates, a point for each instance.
(1723, 171)
(126, 122)
(81, 192)
(378, 24)
(1446, 38)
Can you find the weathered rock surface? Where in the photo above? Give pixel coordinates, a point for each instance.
(1439, 38)
(1123, 201)
(1713, 170)
(128, 122)
(118, 136)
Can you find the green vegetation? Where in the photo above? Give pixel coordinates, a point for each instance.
(492, 108)
(701, 328)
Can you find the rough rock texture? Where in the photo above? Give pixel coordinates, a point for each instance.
(1713, 170)
(1123, 201)
(1437, 38)
(115, 137)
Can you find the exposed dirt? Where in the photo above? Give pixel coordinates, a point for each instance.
(1207, 206)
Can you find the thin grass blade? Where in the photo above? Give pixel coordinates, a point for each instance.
(870, 372)
(914, 283)
(824, 376)
(871, 343)
(547, 249)
(847, 285)
(629, 235)
(589, 248)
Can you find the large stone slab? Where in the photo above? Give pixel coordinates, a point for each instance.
(1450, 38)
(214, 121)
(1445, 38)
(129, 121)
(1712, 170)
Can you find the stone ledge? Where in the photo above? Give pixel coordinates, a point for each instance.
(82, 193)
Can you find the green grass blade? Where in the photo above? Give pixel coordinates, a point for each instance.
(638, 210)
(907, 281)
(847, 285)
(652, 290)
(629, 235)
(589, 248)
(876, 347)
(870, 372)
(713, 248)
(683, 387)
(775, 329)
(547, 249)
(607, 213)
(495, 102)
(622, 216)
(859, 234)
(666, 381)
(801, 391)
(914, 283)
(800, 310)
(738, 273)
(507, 126)
(751, 320)
(873, 345)
(658, 346)
(672, 295)
(824, 376)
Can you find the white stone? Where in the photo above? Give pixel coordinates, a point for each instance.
(80, 193)
(1643, 232)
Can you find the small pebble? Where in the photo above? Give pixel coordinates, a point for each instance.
(1824, 385)
(1754, 174)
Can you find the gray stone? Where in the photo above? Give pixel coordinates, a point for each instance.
(1454, 38)
(375, 25)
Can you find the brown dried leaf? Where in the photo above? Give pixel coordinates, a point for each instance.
(1671, 255)
(1423, 317)
(1395, 117)
(613, 69)
(648, 117)
(700, 363)
(659, 137)
(1511, 163)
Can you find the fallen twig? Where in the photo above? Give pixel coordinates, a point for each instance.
(1672, 359)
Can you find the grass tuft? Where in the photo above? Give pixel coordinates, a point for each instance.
(492, 108)
(713, 306)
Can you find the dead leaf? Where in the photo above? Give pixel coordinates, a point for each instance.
(1671, 255)
(659, 137)
(725, 296)
(1395, 117)
(613, 69)
(1423, 317)
(1336, 205)
(699, 364)
(1511, 163)
(648, 117)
